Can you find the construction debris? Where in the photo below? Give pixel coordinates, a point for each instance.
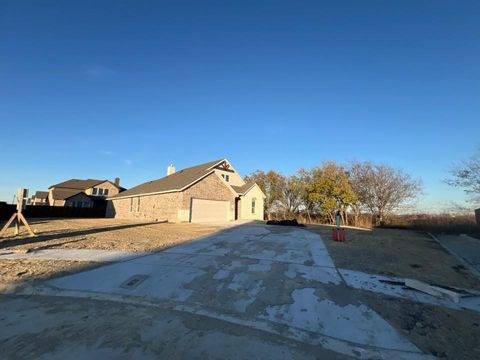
(436, 291)
(293, 222)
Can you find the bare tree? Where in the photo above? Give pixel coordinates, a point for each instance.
(382, 189)
(467, 176)
(291, 196)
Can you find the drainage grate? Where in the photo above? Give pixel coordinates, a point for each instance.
(133, 281)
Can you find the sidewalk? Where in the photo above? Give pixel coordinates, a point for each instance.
(464, 247)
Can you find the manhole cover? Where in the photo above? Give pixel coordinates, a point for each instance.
(133, 281)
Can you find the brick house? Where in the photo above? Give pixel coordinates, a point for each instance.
(82, 193)
(210, 192)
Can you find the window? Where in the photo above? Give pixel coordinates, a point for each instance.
(94, 191)
(131, 204)
(105, 192)
(227, 178)
(86, 204)
(138, 204)
(253, 205)
(100, 192)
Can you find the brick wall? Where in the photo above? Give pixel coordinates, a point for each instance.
(211, 187)
(171, 206)
(152, 207)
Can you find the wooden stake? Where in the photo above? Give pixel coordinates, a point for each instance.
(17, 217)
(24, 221)
(13, 217)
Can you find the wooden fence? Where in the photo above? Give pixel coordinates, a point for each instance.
(6, 210)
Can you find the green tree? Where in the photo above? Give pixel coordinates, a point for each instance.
(272, 184)
(329, 190)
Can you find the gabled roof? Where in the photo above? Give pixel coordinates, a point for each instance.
(242, 190)
(174, 182)
(41, 194)
(63, 194)
(78, 184)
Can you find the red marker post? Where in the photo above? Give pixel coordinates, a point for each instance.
(338, 234)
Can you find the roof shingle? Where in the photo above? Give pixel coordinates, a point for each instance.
(63, 194)
(78, 184)
(174, 182)
(241, 190)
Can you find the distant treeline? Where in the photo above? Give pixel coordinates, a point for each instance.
(363, 192)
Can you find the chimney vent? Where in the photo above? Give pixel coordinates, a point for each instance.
(170, 169)
(117, 181)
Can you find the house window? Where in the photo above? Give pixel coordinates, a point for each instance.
(94, 191)
(227, 178)
(138, 204)
(131, 204)
(253, 205)
(105, 192)
(100, 192)
(86, 204)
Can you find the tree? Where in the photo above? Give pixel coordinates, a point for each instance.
(329, 190)
(381, 189)
(467, 176)
(271, 184)
(291, 196)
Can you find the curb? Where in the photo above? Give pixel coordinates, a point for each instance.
(474, 271)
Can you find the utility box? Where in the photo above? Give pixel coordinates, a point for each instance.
(477, 216)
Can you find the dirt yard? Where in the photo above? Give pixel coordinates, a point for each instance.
(106, 234)
(401, 253)
(442, 332)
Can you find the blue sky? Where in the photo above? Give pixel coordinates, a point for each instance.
(98, 89)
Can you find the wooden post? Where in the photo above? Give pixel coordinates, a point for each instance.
(18, 217)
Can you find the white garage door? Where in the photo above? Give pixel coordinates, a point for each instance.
(209, 210)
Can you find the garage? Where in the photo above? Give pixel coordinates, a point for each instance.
(202, 210)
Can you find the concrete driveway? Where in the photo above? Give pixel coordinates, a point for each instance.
(276, 286)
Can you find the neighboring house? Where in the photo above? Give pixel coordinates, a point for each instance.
(82, 193)
(40, 198)
(210, 192)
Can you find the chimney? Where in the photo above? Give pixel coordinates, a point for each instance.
(170, 169)
(117, 181)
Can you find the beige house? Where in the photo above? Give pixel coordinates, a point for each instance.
(210, 192)
(40, 198)
(82, 193)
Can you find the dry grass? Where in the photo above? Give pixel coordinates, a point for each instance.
(442, 332)
(439, 331)
(440, 223)
(396, 252)
(106, 234)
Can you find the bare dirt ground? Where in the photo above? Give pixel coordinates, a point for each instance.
(442, 332)
(21, 270)
(106, 234)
